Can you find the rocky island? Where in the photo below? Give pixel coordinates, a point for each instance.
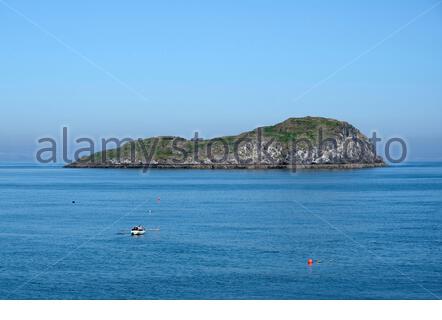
(309, 142)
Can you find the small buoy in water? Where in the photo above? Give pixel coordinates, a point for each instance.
(73, 201)
(158, 200)
(310, 262)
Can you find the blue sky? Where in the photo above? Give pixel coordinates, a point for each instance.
(143, 68)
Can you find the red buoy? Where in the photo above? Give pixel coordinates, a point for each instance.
(310, 262)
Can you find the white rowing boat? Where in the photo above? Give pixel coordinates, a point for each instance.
(138, 231)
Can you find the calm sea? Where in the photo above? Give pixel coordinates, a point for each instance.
(372, 233)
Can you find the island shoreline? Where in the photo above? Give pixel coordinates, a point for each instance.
(343, 166)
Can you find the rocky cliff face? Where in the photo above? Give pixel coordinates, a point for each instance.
(309, 142)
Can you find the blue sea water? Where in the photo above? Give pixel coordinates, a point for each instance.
(223, 234)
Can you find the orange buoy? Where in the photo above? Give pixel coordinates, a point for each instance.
(310, 262)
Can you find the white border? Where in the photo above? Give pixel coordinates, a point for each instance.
(223, 310)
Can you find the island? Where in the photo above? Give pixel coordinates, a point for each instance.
(303, 143)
